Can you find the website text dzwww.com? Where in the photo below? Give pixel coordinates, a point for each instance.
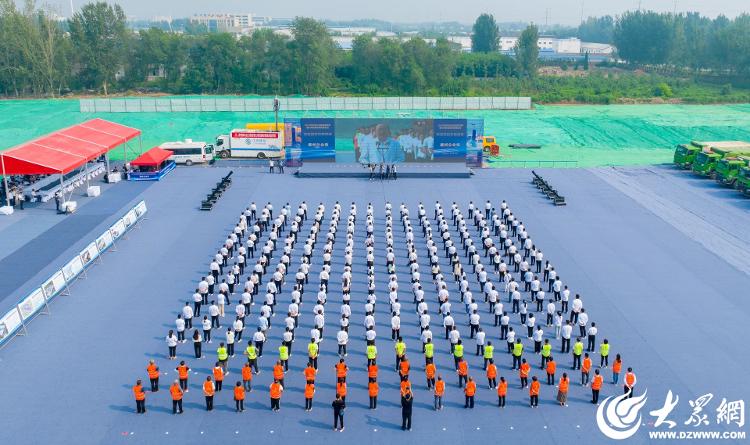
(697, 435)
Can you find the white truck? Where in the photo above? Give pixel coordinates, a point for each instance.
(250, 143)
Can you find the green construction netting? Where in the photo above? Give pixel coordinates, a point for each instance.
(588, 134)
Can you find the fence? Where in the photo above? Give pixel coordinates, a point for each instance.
(209, 104)
(14, 322)
(535, 163)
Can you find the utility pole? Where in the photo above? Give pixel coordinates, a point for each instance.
(71, 9)
(582, 11)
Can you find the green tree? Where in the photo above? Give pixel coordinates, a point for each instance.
(597, 29)
(485, 36)
(527, 51)
(313, 57)
(99, 35)
(644, 37)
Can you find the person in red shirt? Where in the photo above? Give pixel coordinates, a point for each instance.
(405, 386)
(218, 375)
(463, 372)
(502, 390)
(275, 391)
(403, 370)
(208, 391)
(429, 371)
(182, 372)
(469, 391)
(585, 369)
(523, 373)
(491, 374)
(372, 390)
(140, 397)
(551, 368)
(341, 390)
(341, 370)
(534, 392)
(309, 393)
(309, 373)
(278, 372)
(153, 375)
(596, 385)
(239, 397)
(176, 392)
(562, 390)
(372, 372)
(439, 392)
(247, 377)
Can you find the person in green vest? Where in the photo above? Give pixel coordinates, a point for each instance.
(577, 352)
(458, 353)
(284, 356)
(604, 352)
(400, 348)
(429, 352)
(372, 354)
(489, 351)
(252, 356)
(517, 353)
(546, 352)
(223, 356)
(312, 353)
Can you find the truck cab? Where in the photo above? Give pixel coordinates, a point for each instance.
(729, 167)
(705, 162)
(684, 155)
(743, 181)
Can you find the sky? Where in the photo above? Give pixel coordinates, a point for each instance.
(567, 12)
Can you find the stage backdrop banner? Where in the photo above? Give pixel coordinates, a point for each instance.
(450, 139)
(32, 304)
(318, 139)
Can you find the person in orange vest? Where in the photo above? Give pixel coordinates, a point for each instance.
(247, 377)
(309, 393)
(429, 371)
(523, 373)
(239, 397)
(439, 392)
(218, 375)
(616, 369)
(403, 368)
(309, 373)
(208, 391)
(585, 369)
(630, 381)
(276, 390)
(463, 372)
(372, 372)
(176, 393)
(140, 397)
(341, 370)
(182, 373)
(278, 372)
(491, 374)
(372, 390)
(405, 386)
(562, 390)
(469, 391)
(534, 392)
(551, 368)
(153, 375)
(341, 390)
(502, 390)
(596, 385)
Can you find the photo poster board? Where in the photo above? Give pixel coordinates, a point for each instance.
(129, 219)
(104, 241)
(88, 254)
(117, 229)
(32, 304)
(9, 324)
(54, 285)
(140, 209)
(72, 269)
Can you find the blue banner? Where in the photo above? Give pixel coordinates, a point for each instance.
(450, 139)
(318, 142)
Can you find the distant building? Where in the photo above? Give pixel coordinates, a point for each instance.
(238, 24)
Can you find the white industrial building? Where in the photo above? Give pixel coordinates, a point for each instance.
(238, 24)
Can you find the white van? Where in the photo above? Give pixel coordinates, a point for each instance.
(188, 152)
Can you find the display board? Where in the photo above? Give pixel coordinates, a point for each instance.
(54, 285)
(10, 323)
(117, 229)
(32, 304)
(140, 209)
(89, 254)
(72, 269)
(104, 241)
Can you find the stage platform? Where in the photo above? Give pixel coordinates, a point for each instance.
(354, 170)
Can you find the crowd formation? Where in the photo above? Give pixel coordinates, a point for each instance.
(512, 299)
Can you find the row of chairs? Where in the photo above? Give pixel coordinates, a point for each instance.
(547, 189)
(216, 193)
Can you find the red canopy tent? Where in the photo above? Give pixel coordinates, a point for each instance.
(65, 150)
(151, 158)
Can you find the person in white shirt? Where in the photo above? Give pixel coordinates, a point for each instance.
(454, 336)
(172, 340)
(180, 327)
(558, 324)
(320, 322)
(230, 342)
(510, 338)
(565, 333)
(480, 336)
(395, 326)
(213, 311)
(583, 319)
(238, 327)
(259, 339)
(591, 336)
(537, 337)
(187, 315)
(577, 305)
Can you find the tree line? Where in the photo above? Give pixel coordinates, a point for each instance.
(95, 52)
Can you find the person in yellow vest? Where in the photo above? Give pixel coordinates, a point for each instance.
(630, 382)
(429, 352)
(458, 353)
(208, 391)
(546, 353)
(400, 348)
(604, 354)
(372, 354)
(577, 352)
(284, 356)
(223, 356)
(312, 353)
(517, 353)
(489, 352)
(252, 356)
